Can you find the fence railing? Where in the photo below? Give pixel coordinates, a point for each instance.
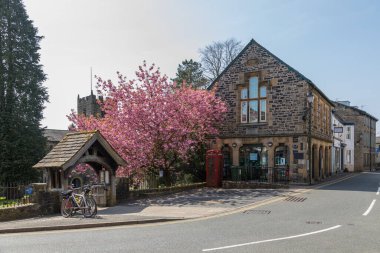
(15, 194)
(260, 174)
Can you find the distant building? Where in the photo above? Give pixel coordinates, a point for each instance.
(89, 106)
(53, 136)
(378, 151)
(343, 144)
(364, 134)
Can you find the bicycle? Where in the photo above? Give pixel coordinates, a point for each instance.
(84, 202)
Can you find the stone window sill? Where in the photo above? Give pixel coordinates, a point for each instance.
(253, 124)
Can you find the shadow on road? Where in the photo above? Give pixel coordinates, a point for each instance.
(203, 197)
(365, 182)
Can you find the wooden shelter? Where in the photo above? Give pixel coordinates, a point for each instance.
(75, 148)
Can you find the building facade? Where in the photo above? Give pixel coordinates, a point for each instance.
(89, 106)
(364, 134)
(377, 160)
(267, 122)
(343, 145)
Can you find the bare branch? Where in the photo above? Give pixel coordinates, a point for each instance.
(216, 56)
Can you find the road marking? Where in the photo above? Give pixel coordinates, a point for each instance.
(369, 208)
(273, 240)
(238, 210)
(378, 191)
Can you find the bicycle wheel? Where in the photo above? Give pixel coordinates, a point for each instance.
(66, 207)
(91, 209)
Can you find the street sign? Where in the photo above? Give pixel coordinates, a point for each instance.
(28, 190)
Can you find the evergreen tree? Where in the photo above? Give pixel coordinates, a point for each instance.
(191, 72)
(22, 95)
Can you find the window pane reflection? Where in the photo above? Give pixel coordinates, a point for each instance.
(253, 111)
(244, 93)
(263, 91)
(263, 109)
(253, 87)
(244, 111)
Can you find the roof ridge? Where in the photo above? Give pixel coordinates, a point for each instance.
(251, 42)
(356, 109)
(82, 132)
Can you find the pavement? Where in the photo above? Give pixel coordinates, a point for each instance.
(189, 204)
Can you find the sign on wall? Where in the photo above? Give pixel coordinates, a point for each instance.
(338, 129)
(253, 156)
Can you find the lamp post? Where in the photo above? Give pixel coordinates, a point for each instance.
(310, 100)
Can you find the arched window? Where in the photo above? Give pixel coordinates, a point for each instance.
(227, 161)
(281, 156)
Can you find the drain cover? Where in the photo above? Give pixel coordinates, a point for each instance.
(295, 199)
(313, 222)
(257, 212)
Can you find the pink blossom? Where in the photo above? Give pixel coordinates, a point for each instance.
(150, 122)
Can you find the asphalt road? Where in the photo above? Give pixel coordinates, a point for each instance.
(342, 217)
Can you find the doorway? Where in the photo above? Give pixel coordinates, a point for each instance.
(253, 159)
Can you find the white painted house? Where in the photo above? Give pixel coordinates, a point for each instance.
(343, 145)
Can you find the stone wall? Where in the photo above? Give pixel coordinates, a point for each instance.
(364, 135)
(286, 97)
(251, 185)
(42, 203)
(49, 202)
(88, 105)
(136, 194)
(19, 212)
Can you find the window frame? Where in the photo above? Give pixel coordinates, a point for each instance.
(248, 100)
(348, 135)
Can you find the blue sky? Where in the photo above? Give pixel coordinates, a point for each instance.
(333, 43)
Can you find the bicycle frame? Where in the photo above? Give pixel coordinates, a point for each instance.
(80, 199)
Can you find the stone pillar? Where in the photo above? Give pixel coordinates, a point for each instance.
(270, 163)
(316, 162)
(235, 155)
(37, 187)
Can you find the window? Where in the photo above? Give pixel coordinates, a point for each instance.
(56, 182)
(348, 158)
(281, 156)
(253, 102)
(348, 133)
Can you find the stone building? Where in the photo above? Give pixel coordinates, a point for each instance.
(267, 118)
(89, 105)
(53, 137)
(364, 134)
(377, 152)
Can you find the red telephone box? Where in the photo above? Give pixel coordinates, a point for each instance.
(214, 165)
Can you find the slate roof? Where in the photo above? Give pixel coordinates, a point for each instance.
(253, 42)
(356, 109)
(54, 135)
(69, 150)
(339, 117)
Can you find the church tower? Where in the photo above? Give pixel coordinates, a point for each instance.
(88, 106)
